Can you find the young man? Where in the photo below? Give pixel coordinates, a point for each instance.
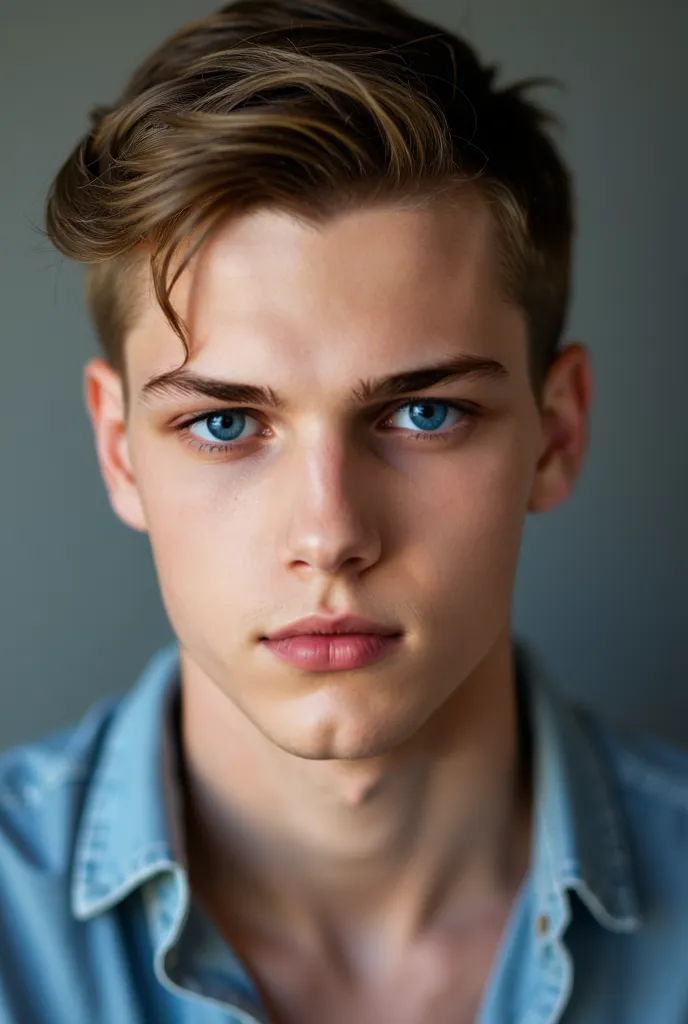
(345, 793)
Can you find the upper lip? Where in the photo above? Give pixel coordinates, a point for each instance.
(342, 624)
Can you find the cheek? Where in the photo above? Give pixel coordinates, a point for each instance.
(218, 539)
(209, 578)
(466, 541)
(205, 527)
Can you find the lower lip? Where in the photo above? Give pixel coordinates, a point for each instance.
(333, 653)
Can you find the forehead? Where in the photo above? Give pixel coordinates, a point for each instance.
(355, 293)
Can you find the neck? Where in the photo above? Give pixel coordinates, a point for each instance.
(438, 830)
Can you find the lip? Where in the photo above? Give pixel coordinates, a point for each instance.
(314, 625)
(331, 652)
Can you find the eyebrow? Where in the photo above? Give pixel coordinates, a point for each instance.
(185, 383)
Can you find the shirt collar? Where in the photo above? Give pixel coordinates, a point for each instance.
(580, 840)
(131, 823)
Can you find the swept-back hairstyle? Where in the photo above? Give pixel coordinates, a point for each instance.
(312, 107)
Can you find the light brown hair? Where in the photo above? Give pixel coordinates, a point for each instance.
(309, 106)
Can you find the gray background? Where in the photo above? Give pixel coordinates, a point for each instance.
(601, 592)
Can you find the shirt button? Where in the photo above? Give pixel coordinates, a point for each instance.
(542, 925)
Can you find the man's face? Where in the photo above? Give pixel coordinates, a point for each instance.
(408, 511)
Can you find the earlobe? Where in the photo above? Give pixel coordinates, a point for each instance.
(104, 398)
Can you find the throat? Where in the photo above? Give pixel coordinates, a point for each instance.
(432, 839)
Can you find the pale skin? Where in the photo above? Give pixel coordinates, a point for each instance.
(359, 837)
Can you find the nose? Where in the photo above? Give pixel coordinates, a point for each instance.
(331, 525)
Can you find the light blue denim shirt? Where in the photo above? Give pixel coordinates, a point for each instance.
(97, 925)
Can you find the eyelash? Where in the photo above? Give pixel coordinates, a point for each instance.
(470, 414)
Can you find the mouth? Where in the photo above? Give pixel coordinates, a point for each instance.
(333, 652)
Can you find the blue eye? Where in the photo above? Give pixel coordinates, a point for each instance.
(224, 427)
(429, 415)
(227, 427)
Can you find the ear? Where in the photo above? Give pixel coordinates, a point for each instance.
(104, 395)
(566, 400)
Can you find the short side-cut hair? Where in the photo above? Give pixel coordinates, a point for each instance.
(311, 107)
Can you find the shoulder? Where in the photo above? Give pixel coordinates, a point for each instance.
(650, 776)
(649, 769)
(41, 788)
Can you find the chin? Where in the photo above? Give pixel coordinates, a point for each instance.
(344, 737)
